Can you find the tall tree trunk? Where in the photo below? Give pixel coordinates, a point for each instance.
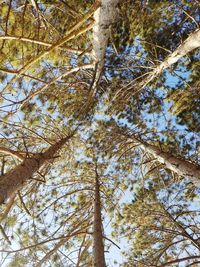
(191, 43)
(99, 258)
(104, 17)
(178, 165)
(16, 178)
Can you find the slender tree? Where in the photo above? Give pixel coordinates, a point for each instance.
(99, 258)
(125, 75)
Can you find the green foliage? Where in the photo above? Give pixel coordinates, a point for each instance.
(143, 204)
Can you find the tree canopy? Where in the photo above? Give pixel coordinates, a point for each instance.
(99, 141)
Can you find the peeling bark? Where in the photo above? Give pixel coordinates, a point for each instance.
(16, 178)
(104, 17)
(98, 248)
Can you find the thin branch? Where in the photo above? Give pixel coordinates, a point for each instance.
(8, 207)
(23, 204)
(111, 241)
(71, 34)
(16, 154)
(41, 89)
(5, 235)
(46, 44)
(179, 260)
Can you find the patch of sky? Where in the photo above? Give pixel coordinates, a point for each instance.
(132, 58)
(162, 120)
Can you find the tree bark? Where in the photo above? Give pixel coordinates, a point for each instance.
(180, 260)
(98, 248)
(178, 165)
(104, 17)
(16, 178)
(191, 43)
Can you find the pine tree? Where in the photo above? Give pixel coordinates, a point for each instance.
(99, 112)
